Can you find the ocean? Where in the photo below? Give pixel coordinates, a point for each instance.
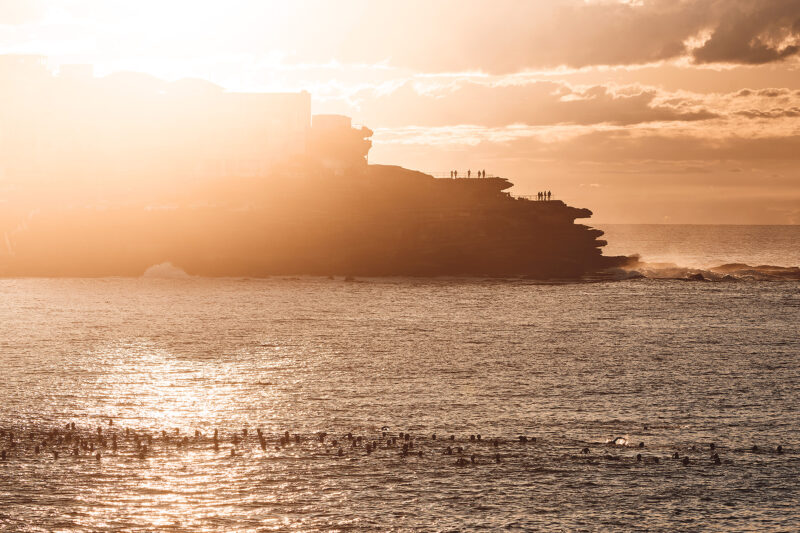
(702, 246)
(565, 406)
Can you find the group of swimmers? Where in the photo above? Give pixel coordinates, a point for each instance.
(69, 440)
(481, 174)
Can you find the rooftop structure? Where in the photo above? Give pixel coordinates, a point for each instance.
(340, 146)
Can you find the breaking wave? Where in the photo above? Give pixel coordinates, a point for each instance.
(165, 271)
(729, 272)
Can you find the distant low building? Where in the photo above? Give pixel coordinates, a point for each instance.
(134, 126)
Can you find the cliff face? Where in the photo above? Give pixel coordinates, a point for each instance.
(413, 224)
(387, 221)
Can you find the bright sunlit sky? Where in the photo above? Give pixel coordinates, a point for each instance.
(644, 111)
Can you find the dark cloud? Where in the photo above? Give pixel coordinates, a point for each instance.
(771, 92)
(511, 35)
(771, 113)
(755, 32)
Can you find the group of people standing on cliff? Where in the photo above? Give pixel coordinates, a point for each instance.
(544, 195)
(454, 174)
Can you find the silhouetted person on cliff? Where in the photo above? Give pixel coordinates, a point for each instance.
(455, 173)
(451, 174)
(549, 194)
(469, 173)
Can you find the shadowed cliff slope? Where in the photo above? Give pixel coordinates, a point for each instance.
(385, 221)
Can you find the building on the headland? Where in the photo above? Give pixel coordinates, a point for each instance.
(339, 145)
(68, 122)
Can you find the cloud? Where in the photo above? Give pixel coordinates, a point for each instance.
(772, 113)
(16, 12)
(506, 36)
(492, 104)
(753, 33)
(513, 36)
(606, 145)
(622, 145)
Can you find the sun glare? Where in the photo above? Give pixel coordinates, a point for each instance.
(171, 40)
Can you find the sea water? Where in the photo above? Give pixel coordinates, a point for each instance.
(672, 364)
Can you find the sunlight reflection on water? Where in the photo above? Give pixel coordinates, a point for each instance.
(672, 364)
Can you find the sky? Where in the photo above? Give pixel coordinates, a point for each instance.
(662, 111)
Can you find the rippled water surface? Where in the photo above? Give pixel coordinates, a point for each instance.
(673, 364)
(705, 245)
